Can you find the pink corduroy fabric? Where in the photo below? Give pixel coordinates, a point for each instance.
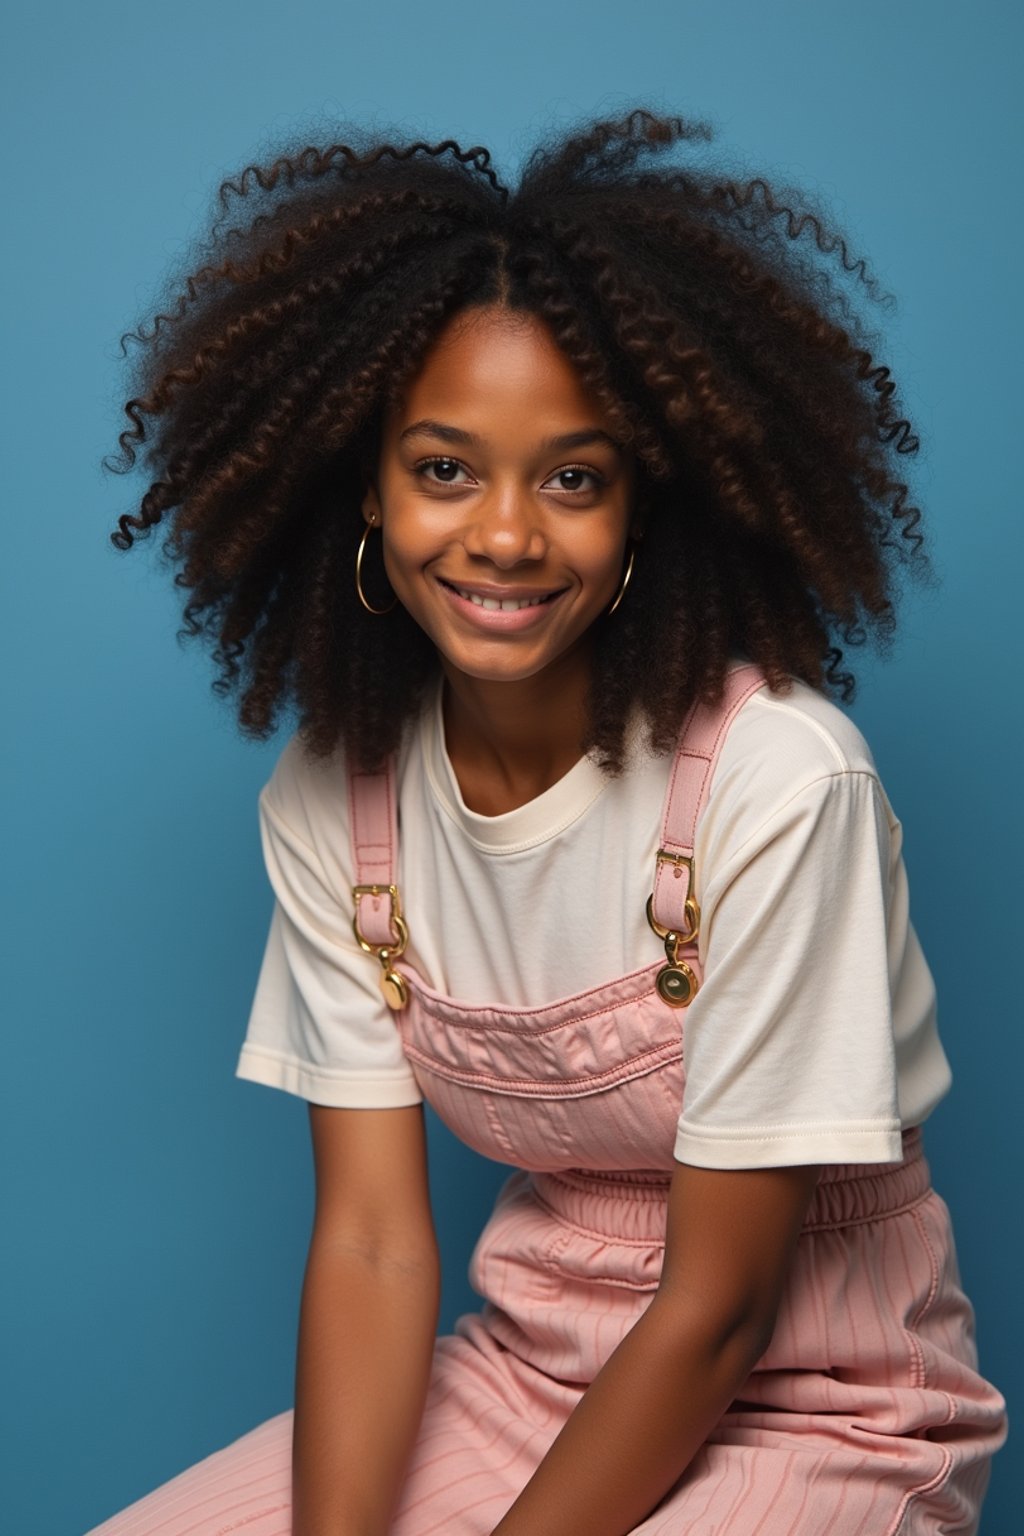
(867, 1415)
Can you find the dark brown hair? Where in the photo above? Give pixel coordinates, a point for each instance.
(690, 303)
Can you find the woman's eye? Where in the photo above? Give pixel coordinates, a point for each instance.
(444, 470)
(572, 476)
(573, 479)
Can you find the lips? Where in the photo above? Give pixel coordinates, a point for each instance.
(501, 599)
(501, 610)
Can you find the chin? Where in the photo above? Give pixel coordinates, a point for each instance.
(484, 674)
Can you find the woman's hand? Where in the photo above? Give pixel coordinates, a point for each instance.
(729, 1244)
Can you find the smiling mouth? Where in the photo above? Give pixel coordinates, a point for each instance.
(504, 604)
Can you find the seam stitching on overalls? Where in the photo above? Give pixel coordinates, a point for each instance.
(921, 1313)
(915, 1493)
(564, 1088)
(442, 1014)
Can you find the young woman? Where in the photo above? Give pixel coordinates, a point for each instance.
(548, 509)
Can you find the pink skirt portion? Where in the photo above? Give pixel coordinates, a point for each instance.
(865, 1417)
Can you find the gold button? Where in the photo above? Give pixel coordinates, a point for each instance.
(676, 984)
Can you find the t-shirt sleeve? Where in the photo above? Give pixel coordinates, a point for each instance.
(788, 1044)
(318, 1027)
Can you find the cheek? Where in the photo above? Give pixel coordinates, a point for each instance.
(408, 532)
(601, 558)
(416, 523)
(401, 559)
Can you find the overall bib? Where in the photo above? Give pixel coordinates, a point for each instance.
(866, 1416)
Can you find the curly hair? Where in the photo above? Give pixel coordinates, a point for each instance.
(709, 331)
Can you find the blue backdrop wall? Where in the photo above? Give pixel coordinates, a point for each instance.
(157, 1218)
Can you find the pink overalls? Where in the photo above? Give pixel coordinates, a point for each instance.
(865, 1417)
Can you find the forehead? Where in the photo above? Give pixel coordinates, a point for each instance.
(492, 369)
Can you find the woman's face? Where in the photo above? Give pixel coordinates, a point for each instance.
(503, 498)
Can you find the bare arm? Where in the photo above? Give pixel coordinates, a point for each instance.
(730, 1241)
(367, 1321)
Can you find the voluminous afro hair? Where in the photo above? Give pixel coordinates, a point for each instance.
(696, 307)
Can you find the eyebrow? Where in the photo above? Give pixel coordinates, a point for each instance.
(582, 439)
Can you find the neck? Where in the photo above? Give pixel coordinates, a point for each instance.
(509, 742)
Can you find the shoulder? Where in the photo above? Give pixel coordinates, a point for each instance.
(788, 758)
(797, 736)
(307, 794)
(781, 744)
(306, 800)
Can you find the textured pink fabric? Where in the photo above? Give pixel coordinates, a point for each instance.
(865, 1417)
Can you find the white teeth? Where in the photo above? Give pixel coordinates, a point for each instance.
(506, 605)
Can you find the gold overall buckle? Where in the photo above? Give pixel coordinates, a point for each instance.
(676, 982)
(393, 985)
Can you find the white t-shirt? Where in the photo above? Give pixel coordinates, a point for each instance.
(813, 1036)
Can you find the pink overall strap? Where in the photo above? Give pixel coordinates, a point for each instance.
(701, 740)
(373, 822)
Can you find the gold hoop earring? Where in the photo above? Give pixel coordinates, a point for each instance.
(359, 573)
(625, 582)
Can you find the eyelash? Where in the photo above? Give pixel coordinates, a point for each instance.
(582, 469)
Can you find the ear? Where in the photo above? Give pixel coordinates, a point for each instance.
(371, 504)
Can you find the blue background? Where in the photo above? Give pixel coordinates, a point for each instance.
(156, 1223)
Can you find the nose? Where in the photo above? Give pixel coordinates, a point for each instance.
(507, 529)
